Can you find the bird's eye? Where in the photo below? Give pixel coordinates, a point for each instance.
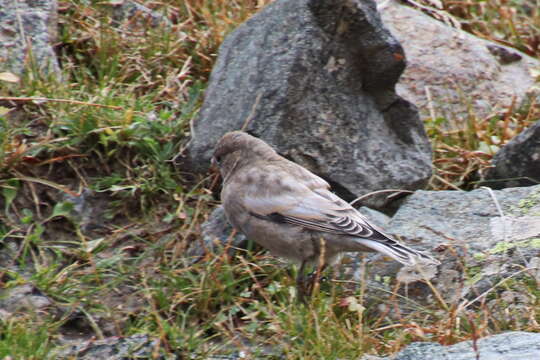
(217, 159)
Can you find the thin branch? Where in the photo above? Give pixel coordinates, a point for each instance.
(252, 112)
(69, 101)
(380, 192)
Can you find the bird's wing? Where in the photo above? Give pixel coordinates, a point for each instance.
(293, 196)
(309, 203)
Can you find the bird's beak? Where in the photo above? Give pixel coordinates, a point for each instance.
(214, 164)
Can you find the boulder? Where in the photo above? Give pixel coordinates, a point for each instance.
(29, 30)
(469, 220)
(451, 72)
(510, 345)
(496, 233)
(315, 79)
(518, 162)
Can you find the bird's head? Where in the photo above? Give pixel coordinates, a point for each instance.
(237, 148)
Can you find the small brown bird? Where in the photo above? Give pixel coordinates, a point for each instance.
(291, 212)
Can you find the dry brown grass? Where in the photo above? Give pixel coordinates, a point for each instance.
(170, 60)
(462, 156)
(512, 23)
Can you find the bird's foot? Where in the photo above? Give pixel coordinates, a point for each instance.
(305, 285)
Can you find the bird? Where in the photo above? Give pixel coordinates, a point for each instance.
(293, 213)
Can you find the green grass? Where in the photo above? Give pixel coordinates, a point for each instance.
(26, 338)
(115, 126)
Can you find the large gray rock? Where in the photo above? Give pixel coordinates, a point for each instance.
(459, 71)
(315, 79)
(464, 230)
(28, 29)
(515, 345)
(469, 220)
(518, 162)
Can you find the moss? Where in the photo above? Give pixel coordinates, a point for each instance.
(504, 246)
(525, 205)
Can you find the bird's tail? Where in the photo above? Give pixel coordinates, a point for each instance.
(398, 252)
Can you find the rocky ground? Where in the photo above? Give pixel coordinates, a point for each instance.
(112, 241)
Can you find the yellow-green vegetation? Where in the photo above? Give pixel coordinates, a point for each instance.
(115, 125)
(460, 153)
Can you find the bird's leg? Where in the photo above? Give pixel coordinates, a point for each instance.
(314, 278)
(306, 285)
(301, 283)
